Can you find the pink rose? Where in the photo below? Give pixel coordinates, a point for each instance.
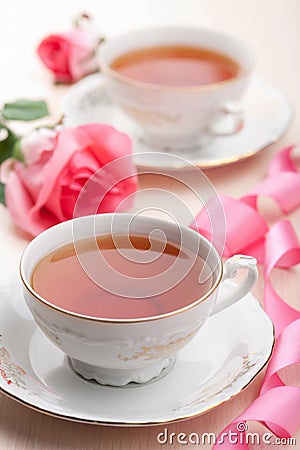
(44, 191)
(70, 56)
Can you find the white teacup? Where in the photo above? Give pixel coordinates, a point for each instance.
(119, 351)
(178, 117)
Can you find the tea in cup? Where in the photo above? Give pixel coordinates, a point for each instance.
(121, 294)
(176, 83)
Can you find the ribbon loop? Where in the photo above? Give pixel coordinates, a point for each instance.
(278, 405)
(245, 228)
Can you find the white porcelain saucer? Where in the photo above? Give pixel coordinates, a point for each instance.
(220, 362)
(267, 117)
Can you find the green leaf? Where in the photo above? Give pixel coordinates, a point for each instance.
(7, 143)
(25, 110)
(2, 194)
(17, 152)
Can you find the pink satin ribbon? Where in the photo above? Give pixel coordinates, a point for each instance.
(278, 405)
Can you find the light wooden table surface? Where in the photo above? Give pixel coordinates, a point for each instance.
(272, 28)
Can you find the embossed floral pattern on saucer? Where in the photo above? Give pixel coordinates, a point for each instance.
(225, 356)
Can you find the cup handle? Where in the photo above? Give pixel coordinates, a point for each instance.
(228, 109)
(231, 267)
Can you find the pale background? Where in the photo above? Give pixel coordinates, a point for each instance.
(272, 28)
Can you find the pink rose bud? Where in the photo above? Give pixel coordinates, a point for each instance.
(69, 56)
(37, 142)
